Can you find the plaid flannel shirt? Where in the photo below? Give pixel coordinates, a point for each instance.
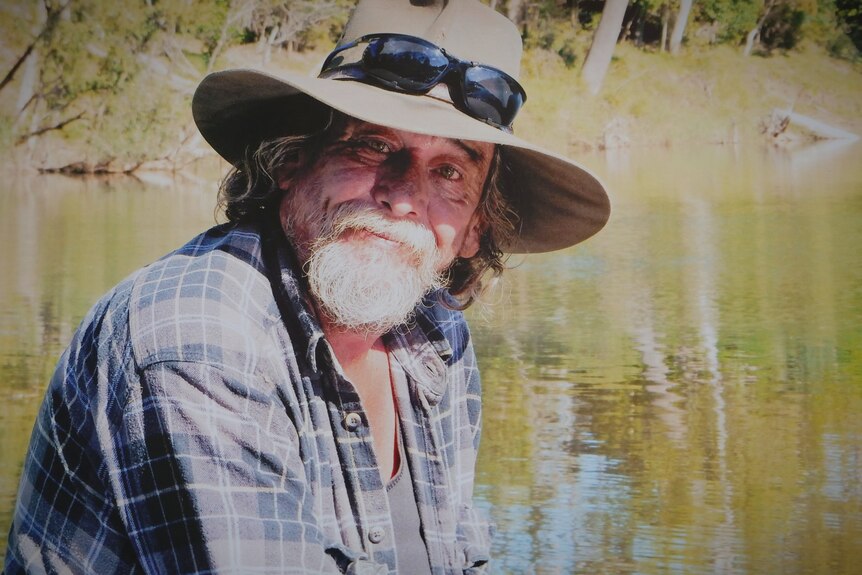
(198, 423)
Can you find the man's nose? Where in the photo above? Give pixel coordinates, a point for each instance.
(402, 188)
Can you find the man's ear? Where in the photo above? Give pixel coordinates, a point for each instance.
(470, 245)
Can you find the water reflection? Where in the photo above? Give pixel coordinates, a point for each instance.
(66, 241)
(697, 349)
(681, 394)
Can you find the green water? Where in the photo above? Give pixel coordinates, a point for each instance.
(681, 394)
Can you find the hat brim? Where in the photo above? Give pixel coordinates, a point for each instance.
(559, 203)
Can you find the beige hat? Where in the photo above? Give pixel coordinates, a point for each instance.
(559, 202)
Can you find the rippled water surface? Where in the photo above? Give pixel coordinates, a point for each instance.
(680, 394)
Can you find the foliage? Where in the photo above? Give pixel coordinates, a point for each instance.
(563, 26)
(733, 18)
(298, 22)
(558, 37)
(849, 13)
(86, 70)
(644, 21)
(97, 62)
(91, 51)
(782, 28)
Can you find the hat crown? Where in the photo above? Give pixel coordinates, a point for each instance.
(466, 29)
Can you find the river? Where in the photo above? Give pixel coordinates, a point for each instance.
(680, 394)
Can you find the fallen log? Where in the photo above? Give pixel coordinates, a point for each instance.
(819, 130)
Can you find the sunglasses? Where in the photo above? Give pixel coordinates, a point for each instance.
(412, 65)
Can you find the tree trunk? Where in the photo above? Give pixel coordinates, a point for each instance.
(238, 11)
(27, 89)
(679, 25)
(665, 20)
(754, 34)
(515, 11)
(750, 40)
(604, 41)
(270, 42)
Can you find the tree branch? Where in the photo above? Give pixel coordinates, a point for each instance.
(11, 73)
(32, 99)
(42, 130)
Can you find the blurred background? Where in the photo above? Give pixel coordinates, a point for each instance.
(680, 394)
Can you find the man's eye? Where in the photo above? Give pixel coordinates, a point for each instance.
(449, 173)
(377, 146)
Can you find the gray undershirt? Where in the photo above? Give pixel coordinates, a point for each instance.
(409, 545)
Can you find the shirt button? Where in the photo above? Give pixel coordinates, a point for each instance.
(352, 421)
(376, 534)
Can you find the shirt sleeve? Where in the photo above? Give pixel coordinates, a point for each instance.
(209, 479)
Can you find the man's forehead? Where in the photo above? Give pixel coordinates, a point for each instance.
(478, 152)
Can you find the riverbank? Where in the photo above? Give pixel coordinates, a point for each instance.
(702, 96)
(713, 96)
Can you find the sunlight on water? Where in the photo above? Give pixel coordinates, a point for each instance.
(681, 394)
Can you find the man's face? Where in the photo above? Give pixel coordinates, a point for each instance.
(389, 210)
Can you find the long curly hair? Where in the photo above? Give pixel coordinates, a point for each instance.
(250, 193)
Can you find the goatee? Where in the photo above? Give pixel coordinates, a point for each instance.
(367, 272)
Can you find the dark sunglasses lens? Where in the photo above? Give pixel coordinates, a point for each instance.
(404, 63)
(492, 96)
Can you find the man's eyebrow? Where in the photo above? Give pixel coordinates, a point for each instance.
(476, 155)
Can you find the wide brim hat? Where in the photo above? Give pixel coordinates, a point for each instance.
(559, 203)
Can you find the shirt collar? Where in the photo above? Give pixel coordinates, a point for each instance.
(423, 351)
(291, 292)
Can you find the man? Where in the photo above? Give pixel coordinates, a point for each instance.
(295, 391)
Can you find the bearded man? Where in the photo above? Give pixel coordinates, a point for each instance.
(296, 391)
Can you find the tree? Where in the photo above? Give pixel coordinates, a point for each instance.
(280, 24)
(665, 20)
(113, 75)
(754, 34)
(515, 11)
(679, 25)
(82, 50)
(604, 41)
(731, 20)
(779, 25)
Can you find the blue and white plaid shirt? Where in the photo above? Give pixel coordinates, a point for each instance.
(199, 424)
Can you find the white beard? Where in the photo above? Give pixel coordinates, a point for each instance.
(364, 284)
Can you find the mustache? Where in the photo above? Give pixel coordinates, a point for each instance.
(356, 217)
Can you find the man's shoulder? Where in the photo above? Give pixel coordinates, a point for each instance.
(209, 298)
(220, 265)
